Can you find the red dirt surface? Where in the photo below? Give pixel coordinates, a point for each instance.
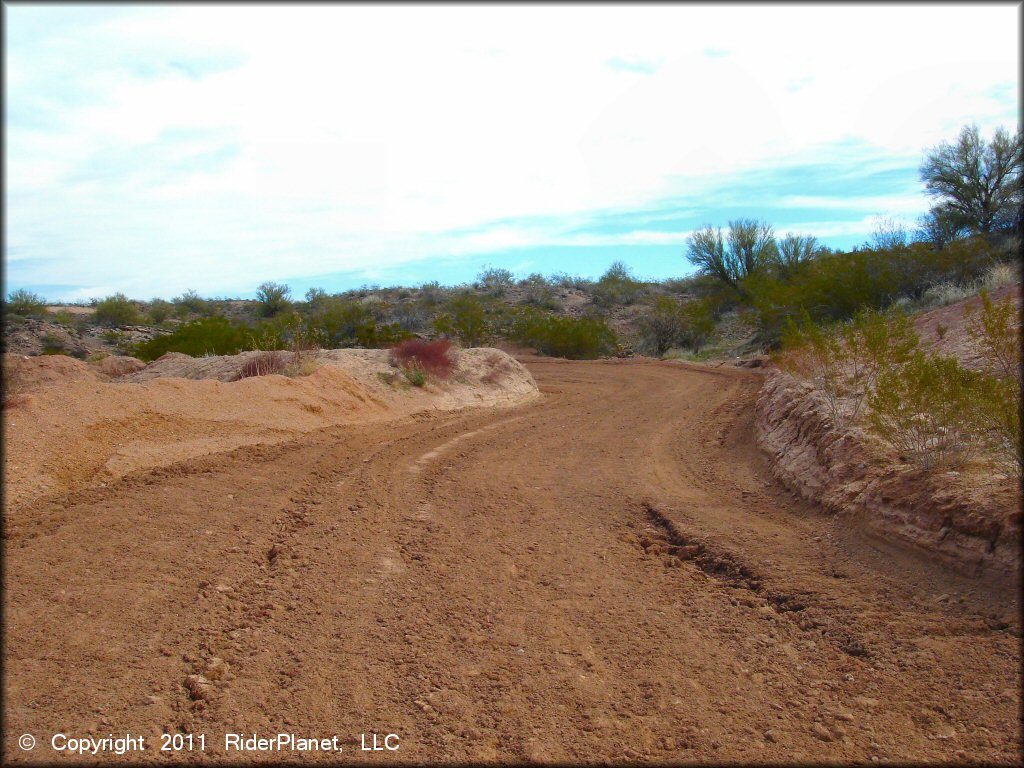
(607, 573)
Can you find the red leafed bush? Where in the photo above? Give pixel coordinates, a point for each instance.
(263, 364)
(434, 357)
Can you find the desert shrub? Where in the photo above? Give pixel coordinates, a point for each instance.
(495, 281)
(930, 407)
(346, 323)
(432, 293)
(575, 338)
(273, 298)
(263, 364)
(996, 332)
(663, 326)
(206, 336)
(816, 354)
(25, 303)
(191, 303)
(998, 275)
(537, 292)
(834, 286)
(411, 316)
(698, 323)
(873, 342)
(845, 361)
(342, 322)
(926, 409)
(116, 310)
(944, 294)
(567, 282)
(159, 310)
(617, 286)
(64, 317)
(53, 345)
(465, 317)
(315, 298)
(288, 331)
(415, 376)
(433, 357)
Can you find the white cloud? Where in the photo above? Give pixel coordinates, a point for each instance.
(876, 203)
(344, 137)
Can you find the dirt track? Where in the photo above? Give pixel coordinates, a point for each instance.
(604, 574)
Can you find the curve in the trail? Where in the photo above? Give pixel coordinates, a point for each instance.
(605, 573)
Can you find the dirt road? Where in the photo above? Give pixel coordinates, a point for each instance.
(604, 574)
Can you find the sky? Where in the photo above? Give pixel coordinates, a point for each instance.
(154, 149)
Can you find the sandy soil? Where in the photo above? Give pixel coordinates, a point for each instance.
(607, 573)
(71, 424)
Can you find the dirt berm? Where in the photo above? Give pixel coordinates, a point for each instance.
(70, 423)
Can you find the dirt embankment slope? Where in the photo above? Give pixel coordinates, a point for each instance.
(71, 424)
(969, 519)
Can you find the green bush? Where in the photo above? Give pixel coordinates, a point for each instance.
(538, 292)
(834, 286)
(53, 345)
(347, 323)
(996, 332)
(191, 303)
(415, 375)
(116, 310)
(495, 281)
(315, 298)
(25, 303)
(465, 317)
(926, 409)
(206, 336)
(661, 328)
(617, 287)
(698, 323)
(577, 339)
(930, 407)
(288, 331)
(159, 310)
(844, 361)
(273, 298)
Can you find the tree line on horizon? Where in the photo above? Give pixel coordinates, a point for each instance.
(975, 185)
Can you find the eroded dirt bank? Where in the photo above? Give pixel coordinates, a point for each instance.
(967, 522)
(967, 519)
(607, 573)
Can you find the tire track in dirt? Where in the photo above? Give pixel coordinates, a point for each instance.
(603, 574)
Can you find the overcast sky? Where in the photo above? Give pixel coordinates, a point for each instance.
(154, 149)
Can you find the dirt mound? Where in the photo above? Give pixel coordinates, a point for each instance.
(73, 427)
(24, 374)
(116, 365)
